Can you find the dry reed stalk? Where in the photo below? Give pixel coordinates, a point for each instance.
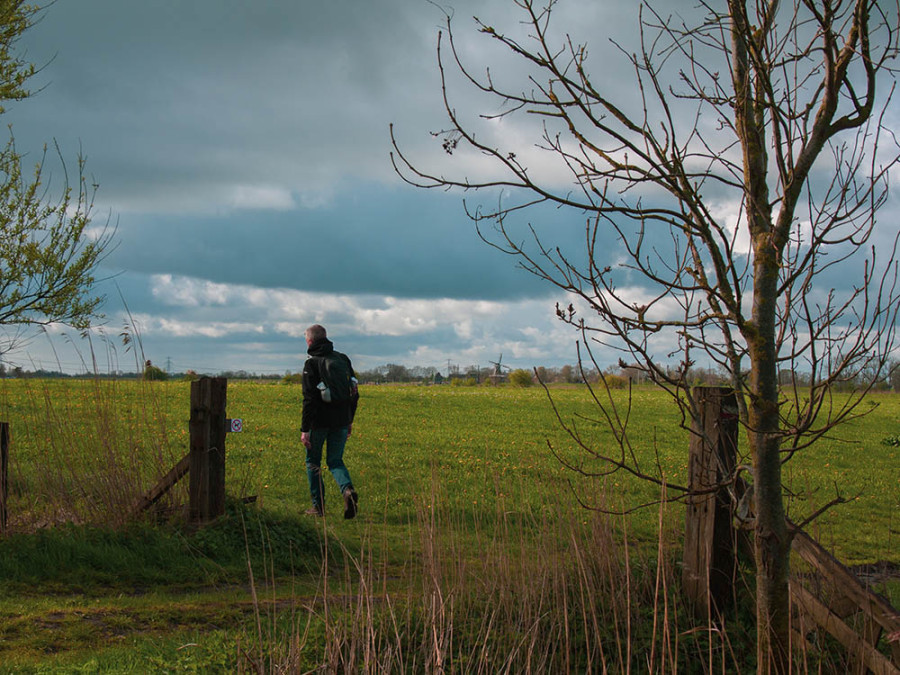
(92, 456)
(514, 591)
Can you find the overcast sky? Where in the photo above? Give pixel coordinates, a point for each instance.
(242, 153)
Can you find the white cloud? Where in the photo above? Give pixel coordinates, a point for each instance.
(186, 292)
(293, 330)
(262, 197)
(417, 332)
(216, 327)
(290, 311)
(149, 326)
(408, 317)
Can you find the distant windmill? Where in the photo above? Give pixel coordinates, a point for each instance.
(498, 369)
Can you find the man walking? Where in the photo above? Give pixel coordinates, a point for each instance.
(330, 397)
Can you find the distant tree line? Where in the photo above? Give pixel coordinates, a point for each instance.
(150, 371)
(615, 377)
(397, 373)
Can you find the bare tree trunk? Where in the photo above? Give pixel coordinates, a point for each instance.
(772, 546)
(772, 564)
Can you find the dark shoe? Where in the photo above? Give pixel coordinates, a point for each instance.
(350, 501)
(313, 511)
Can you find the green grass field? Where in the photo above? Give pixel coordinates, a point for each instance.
(457, 484)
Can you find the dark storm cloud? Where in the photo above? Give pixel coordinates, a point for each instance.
(198, 117)
(205, 92)
(175, 103)
(376, 241)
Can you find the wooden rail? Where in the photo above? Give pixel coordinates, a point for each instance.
(168, 481)
(847, 597)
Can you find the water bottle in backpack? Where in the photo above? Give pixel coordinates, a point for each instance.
(325, 392)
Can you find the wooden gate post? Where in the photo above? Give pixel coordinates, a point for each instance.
(207, 449)
(710, 561)
(4, 474)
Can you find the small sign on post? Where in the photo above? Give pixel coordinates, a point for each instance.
(234, 426)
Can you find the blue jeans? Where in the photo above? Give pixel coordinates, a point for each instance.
(334, 441)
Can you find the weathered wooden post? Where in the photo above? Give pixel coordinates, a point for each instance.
(207, 448)
(710, 561)
(4, 474)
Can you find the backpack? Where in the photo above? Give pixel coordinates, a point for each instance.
(338, 383)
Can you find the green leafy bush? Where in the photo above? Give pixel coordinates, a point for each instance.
(615, 381)
(154, 373)
(520, 378)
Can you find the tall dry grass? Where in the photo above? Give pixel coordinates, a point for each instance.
(522, 594)
(84, 451)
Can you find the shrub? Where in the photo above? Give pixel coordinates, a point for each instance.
(520, 378)
(154, 373)
(615, 381)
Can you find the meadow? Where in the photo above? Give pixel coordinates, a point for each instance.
(473, 550)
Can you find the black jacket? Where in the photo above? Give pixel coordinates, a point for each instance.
(316, 413)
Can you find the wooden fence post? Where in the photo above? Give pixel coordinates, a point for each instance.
(207, 449)
(710, 561)
(850, 612)
(4, 474)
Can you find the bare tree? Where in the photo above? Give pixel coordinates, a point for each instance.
(747, 175)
